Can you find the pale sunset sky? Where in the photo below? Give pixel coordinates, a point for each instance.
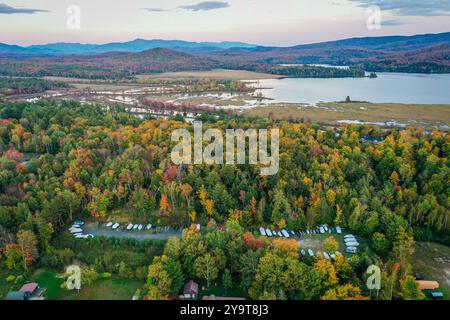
(265, 22)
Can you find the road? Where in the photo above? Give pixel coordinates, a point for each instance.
(103, 231)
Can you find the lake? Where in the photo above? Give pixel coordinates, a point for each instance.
(387, 88)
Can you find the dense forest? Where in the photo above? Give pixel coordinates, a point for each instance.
(62, 161)
(11, 86)
(299, 71)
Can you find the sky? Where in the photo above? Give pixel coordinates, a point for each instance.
(264, 22)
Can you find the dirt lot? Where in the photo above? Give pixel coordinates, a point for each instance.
(432, 260)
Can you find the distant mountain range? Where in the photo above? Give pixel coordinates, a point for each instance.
(381, 44)
(428, 53)
(137, 45)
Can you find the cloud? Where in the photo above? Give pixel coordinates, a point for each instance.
(155, 9)
(5, 9)
(393, 22)
(206, 6)
(410, 7)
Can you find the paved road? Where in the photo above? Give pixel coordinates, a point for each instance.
(143, 235)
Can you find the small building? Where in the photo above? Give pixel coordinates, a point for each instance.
(437, 295)
(190, 290)
(15, 295)
(32, 291)
(427, 285)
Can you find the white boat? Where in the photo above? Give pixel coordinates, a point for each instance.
(262, 231)
(351, 250)
(268, 232)
(75, 230)
(333, 256)
(135, 227)
(338, 230)
(116, 225)
(140, 227)
(280, 234)
(285, 233)
(109, 224)
(130, 226)
(349, 236)
(311, 253)
(303, 252)
(322, 230)
(149, 226)
(326, 256)
(352, 244)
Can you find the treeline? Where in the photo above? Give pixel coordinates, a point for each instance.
(12, 86)
(299, 71)
(396, 66)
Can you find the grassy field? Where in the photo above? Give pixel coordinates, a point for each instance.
(432, 260)
(113, 288)
(218, 74)
(51, 283)
(218, 290)
(420, 115)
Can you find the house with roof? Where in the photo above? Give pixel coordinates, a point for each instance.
(190, 290)
(32, 291)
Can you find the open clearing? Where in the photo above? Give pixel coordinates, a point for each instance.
(411, 115)
(432, 260)
(114, 288)
(315, 242)
(218, 74)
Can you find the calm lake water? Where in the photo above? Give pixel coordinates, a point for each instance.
(388, 87)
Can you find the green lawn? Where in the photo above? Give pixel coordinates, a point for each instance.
(108, 289)
(217, 289)
(432, 260)
(114, 288)
(49, 281)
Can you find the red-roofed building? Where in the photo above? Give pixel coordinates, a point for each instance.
(32, 291)
(190, 290)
